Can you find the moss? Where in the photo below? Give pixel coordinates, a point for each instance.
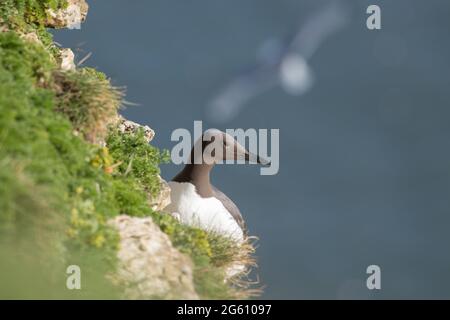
(137, 159)
(21, 14)
(24, 61)
(47, 41)
(212, 254)
(28, 242)
(189, 240)
(79, 177)
(30, 16)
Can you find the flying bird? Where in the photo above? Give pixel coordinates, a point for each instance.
(282, 63)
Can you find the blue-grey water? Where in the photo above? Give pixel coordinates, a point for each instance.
(364, 155)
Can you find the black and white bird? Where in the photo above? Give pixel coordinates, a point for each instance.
(282, 63)
(195, 201)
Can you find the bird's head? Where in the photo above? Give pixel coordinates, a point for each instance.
(216, 146)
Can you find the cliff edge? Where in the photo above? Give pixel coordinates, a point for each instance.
(81, 186)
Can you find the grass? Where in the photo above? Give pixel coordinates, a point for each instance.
(212, 255)
(30, 16)
(137, 159)
(88, 99)
(58, 186)
(78, 183)
(22, 14)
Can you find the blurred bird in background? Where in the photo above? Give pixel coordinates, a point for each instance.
(282, 63)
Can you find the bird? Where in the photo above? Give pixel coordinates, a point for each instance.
(195, 201)
(282, 63)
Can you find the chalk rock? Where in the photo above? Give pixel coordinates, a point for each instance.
(127, 126)
(66, 60)
(162, 200)
(148, 265)
(31, 37)
(70, 17)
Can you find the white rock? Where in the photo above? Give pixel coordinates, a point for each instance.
(149, 266)
(162, 200)
(66, 60)
(70, 17)
(127, 126)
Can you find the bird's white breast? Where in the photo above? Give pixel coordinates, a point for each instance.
(206, 213)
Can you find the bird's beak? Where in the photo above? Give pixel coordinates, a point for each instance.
(254, 158)
(241, 153)
(263, 161)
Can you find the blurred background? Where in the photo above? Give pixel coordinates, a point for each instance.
(365, 161)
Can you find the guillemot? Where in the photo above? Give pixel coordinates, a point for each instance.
(198, 203)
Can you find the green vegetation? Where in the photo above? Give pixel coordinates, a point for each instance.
(211, 254)
(23, 14)
(59, 185)
(86, 97)
(136, 159)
